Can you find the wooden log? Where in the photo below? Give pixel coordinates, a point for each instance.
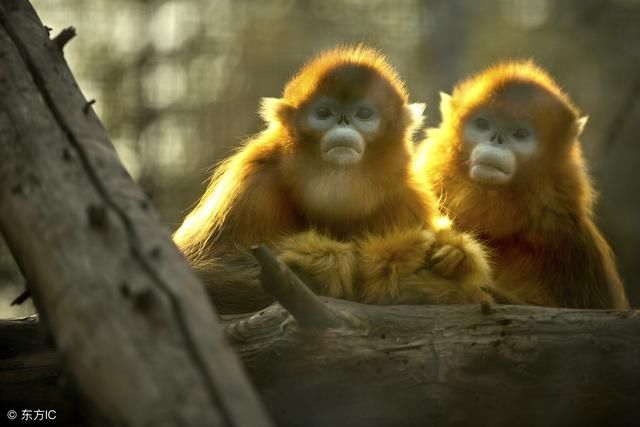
(430, 365)
(132, 324)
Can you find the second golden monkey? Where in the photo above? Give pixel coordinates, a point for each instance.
(329, 186)
(508, 166)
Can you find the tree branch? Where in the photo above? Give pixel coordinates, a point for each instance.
(282, 283)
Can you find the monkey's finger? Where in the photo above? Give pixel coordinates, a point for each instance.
(446, 265)
(441, 253)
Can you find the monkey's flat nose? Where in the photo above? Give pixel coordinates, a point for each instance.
(343, 119)
(499, 138)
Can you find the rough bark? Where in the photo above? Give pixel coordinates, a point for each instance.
(418, 365)
(131, 323)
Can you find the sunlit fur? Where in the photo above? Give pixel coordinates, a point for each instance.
(320, 219)
(547, 249)
(392, 268)
(259, 193)
(325, 263)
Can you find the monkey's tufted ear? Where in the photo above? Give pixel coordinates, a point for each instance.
(412, 117)
(415, 114)
(445, 104)
(580, 124)
(275, 110)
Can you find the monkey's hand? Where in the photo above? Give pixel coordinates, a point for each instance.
(383, 261)
(458, 256)
(447, 260)
(456, 271)
(325, 264)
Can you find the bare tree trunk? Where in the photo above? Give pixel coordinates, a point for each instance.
(131, 323)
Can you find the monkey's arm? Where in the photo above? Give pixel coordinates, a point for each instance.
(232, 276)
(383, 261)
(243, 205)
(586, 275)
(418, 266)
(325, 264)
(460, 257)
(457, 272)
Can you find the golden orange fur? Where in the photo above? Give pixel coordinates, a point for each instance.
(547, 249)
(318, 218)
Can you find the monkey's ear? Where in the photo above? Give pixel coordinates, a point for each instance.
(445, 104)
(580, 124)
(413, 116)
(275, 110)
(416, 113)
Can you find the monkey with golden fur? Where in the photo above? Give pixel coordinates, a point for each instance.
(508, 165)
(329, 186)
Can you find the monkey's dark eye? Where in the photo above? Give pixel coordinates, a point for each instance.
(364, 113)
(482, 124)
(521, 133)
(323, 112)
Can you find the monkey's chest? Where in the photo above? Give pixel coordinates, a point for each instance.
(519, 267)
(514, 258)
(378, 222)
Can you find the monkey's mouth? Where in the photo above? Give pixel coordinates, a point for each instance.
(343, 152)
(489, 172)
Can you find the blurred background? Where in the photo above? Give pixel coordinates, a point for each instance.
(178, 82)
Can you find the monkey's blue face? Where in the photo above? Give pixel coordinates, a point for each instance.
(347, 128)
(497, 143)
